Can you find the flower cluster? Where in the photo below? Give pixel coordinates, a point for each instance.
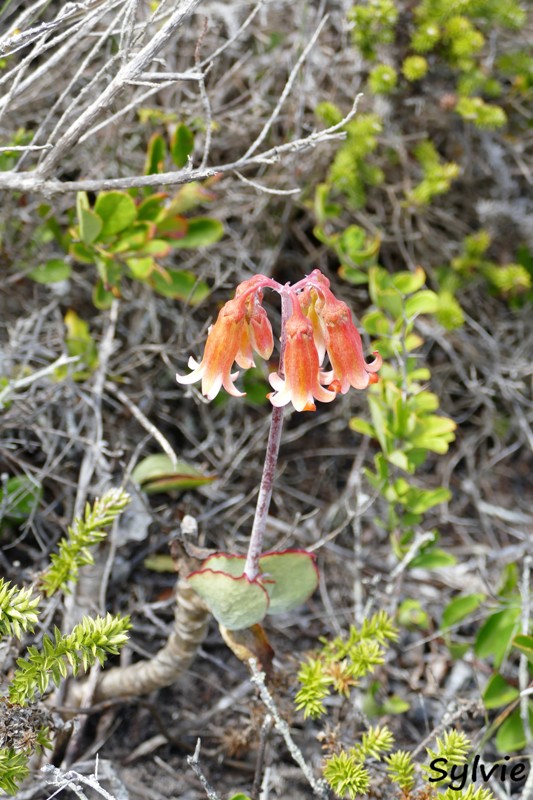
(314, 323)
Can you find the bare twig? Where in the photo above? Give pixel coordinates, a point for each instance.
(127, 73)
(194, 763)
(286, 91)
(35, 182)
(144, 421)
(21, 383)
(319, 786)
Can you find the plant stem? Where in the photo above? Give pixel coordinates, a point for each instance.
(251, 567)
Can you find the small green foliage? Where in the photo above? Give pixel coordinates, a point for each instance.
(316, 682)
(345, 776)
(84, 533)
(373, 24)
(128, 234)
(482, 114)
(122, 237)
(414, 68)
(454, 747)
(345, 772)
(342, 662)
(508, 280)
(511, 735)
(18, 610)
(461, 607)
(437, 176)
(383, 79)
(352, 170)
(403, 418)
(19, 497)
(498, 692)
(401, 769)
(90, 641)
(411, 614)
(79, 343)
(425, 37)
(25, 726)
(13, 769)
(181, 145)
(52, 271)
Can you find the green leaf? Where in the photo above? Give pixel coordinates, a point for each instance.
(19, 498)
(226, 562)
(434, 433)
(399, 459)
(82, 202)
(79, 340)
(155, 155)
(181, 145)
(135, 238)
(160, 562)
(172, 227)
(495, 635)
(424, 302)
(290, 578)
(140, 268)
(240, 796)
(52, 271)
(395, 705)
(151, 208)
(362, 426)
(179, 285)
(511, 736)
(409, 282)
(524, 643)
(352, 275)
(235, 603)
(498, 692)
(80, 252)
(102, 298)
(157, 473)
(190, 196)
(425, 499)
(117, 211)
(90, 225)
(201, 231)
(460, 607)
(458, 650)
(433, 559)
(411, 613)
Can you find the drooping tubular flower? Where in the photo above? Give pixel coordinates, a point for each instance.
(313, 322)
(342, 340)
(301, 384)
(242, 326)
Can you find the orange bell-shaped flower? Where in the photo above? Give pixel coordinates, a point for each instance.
(301, 384)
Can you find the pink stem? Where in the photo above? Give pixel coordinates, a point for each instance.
(251, 567)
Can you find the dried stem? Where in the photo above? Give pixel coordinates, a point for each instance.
(319, 787)
(194, 763)
(190, 627)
